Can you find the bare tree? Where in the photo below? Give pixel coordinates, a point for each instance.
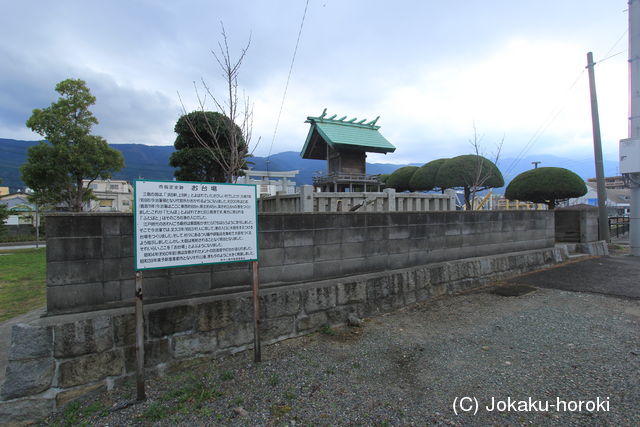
(230, 152)
(483, 175)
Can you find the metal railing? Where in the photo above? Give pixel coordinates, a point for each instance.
(325, 179)
(618, 225)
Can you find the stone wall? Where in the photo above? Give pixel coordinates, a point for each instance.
(90, 262)
(57, 359)
(576, 225)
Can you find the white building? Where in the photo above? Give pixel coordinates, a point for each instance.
(617, 202)
(270, 182)
(112, 195)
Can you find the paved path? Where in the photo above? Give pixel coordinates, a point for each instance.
(7, 247)
(614, 276)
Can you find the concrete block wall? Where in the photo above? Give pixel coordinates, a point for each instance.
(57, 359)
(90, 262)
(576, 225)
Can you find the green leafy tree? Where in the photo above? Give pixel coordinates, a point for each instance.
(203, 145)
(546, 185)
(424, 179)
(55, 168)
(471, 173)
(400, 178)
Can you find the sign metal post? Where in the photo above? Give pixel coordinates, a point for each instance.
(179, 224)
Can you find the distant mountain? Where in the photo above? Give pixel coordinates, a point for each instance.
(152, 162)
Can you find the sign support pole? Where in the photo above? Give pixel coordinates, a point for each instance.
(139, 339)
(255, 291)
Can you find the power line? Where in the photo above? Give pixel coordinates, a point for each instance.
(286, 86)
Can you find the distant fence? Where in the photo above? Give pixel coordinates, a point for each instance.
(618, 225)
(386, 201)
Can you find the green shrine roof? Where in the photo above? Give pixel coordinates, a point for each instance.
(343, 134)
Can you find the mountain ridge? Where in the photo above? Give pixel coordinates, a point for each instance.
(152, 162)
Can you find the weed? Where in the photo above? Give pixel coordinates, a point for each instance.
(155, 412)
(238, 401)
(290, 395)
(274, 380)
(227, 375)
(327, 330)
(330, 371)
(205, 412)
(280, 410)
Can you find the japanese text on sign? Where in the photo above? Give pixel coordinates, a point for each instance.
(183, 223)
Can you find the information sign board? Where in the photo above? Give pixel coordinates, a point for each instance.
(192, 223)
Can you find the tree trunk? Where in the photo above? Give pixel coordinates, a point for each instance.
(551, 204)
(467, 198)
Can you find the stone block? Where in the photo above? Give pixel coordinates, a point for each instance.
(376, 262)
(326, 252)
(74, 226)
(74, 298)
(171, 320)
(155, 353)
(377, 234)
(75, 249)
(156, 287)
(297, 238)
(298, 254)
(297, 272)
(27, 377)
(124, 330)
(399, 232)
(352, 250)
(327, 220)
(398, 246)
(271, 257)
(299, 221)
(273, 329)
(235, 335)
(321, 298)
(222, 313)
(89, 369)
(271, 274)
(269, 239)
(326, 269)
(353, 266)
(190, 284)
(118, 268)
(396, 261)
(377, 219)
(439, 273)
(352, 235)
(30, 342)
(111, 291)
(83, 337)
(25, 411)
(311, 322)
(194, 344)
(67, 396)
(270, 222)
(398, 218)
(72, 272)
(228, 278)
(280, 304)
(327, 236)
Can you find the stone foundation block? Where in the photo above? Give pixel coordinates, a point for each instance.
(155, 353)
(235, 335)
(311, 322)
(168, 321)
(24, 412)
(194, 344)
(83, 337)
(316, 299)
(67, 396)
(280, 304)
(272, 329)
(27, 377)
(351, 292)
(90, 368)
(30, 342)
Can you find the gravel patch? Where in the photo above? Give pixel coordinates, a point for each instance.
(407, 367)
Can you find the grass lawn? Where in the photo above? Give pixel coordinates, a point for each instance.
(22, 281)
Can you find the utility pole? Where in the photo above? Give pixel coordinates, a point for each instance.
(630, 148)
(535, 164)
(603, 219)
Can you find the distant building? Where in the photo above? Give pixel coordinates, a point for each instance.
(112, 195)
(611, 182)
(344, 145)
(618, 199)
(4, 191)
(270, 182)
(21, 210)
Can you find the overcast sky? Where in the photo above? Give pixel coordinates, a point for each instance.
(430, 69)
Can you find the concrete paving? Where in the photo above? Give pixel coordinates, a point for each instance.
(613, 275)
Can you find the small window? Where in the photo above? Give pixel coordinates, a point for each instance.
(93, 186)
(114, 186)
(106, 203)
(125, 203)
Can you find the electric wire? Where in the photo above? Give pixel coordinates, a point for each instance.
(286, 86)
